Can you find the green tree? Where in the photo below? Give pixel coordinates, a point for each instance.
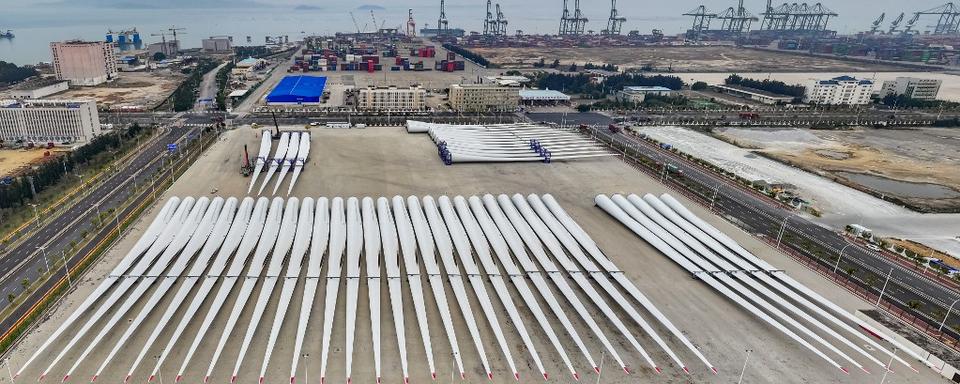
(159, 56)
(698, 86)
(25, 283)
(583, 108)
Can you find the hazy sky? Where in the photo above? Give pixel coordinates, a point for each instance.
(854, 14)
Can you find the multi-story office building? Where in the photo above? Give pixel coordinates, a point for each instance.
(42, 121)
(391, 99)
(843, 90)
(84, 62)
(484, 98)
(912, 87)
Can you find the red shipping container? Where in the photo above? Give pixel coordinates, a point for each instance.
(370, 67)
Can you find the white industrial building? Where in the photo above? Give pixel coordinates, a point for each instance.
(38, 89)
(543, 97)
(84, 62)
(42, 121)
(912, 87)
(391, 99)
(843, 90)
(217, 44)
(637, 94)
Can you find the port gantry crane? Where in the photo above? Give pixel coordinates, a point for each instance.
(895, 24)
(501, 22)
(411, 25)
(875, 26)
(949, 19)
(490, 25)
(615, 21)
(579, 21)
(701, 22)
(442, 23)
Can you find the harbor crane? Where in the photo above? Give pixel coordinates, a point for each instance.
(490, 25)
(615, 21)
(876, 24)
(501, 22)
(895, 24)
(443, 25)
(701, 21)
(908, 29)
(949, 19)
(411, 25)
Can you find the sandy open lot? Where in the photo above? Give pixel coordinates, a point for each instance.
(926, 157)
(132, 89)
(679, 59)
(14, 159)
(387, 162)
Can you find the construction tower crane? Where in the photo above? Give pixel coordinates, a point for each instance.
(501, 22)
(615, 21)
(701, 22)
(411, 25)
(876, 23)
(490, 26)
(949, 19)
(163, 42)
(895, 24)
(176, 43)
(442, 23)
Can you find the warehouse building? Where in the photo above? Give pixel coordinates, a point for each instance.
(842, 90)
(392, 99)
(217, 44)
(39, 88)
(483, 98)
(84, 62)
(912, 87)
(298, 90)
(757, 95)
(638, 93)
(42, 121)
(543, 97)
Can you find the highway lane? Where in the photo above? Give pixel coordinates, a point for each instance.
(26, 261)
(763, 216)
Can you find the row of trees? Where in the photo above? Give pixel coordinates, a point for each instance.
(223, 80)
(582, 84)
(650, 101)
(11, 73)
(768, 85)
(16, 191)
(186, 95)
(468, 54)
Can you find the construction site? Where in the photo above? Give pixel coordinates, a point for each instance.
(676, 324)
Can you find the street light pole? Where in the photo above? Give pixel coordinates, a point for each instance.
(744, 369)
(887, 368)
(884, 286)
(948, 314)
(835, 267)
(66, 269)
(783, 227)
(10, 371)
(600, 372)
(43, 251)
(36, 216)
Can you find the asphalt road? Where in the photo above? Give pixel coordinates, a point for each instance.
(26, 261)
(762, 216)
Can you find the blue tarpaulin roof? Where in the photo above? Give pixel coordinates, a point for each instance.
(298, 89)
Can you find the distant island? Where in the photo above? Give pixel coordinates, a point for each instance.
(304, 7)
(370, 7)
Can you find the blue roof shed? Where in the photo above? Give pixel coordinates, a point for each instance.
(298, 90)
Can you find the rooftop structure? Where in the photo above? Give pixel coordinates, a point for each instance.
(638, 93)
(753, 94)
(510, 81)
(217, 44)
(38, 88)
(298, 90)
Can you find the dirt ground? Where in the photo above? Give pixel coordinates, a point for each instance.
(131, 89)
(14, 159)
(393, 162)
(926, 155)
(678, 59)
(926, 251)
